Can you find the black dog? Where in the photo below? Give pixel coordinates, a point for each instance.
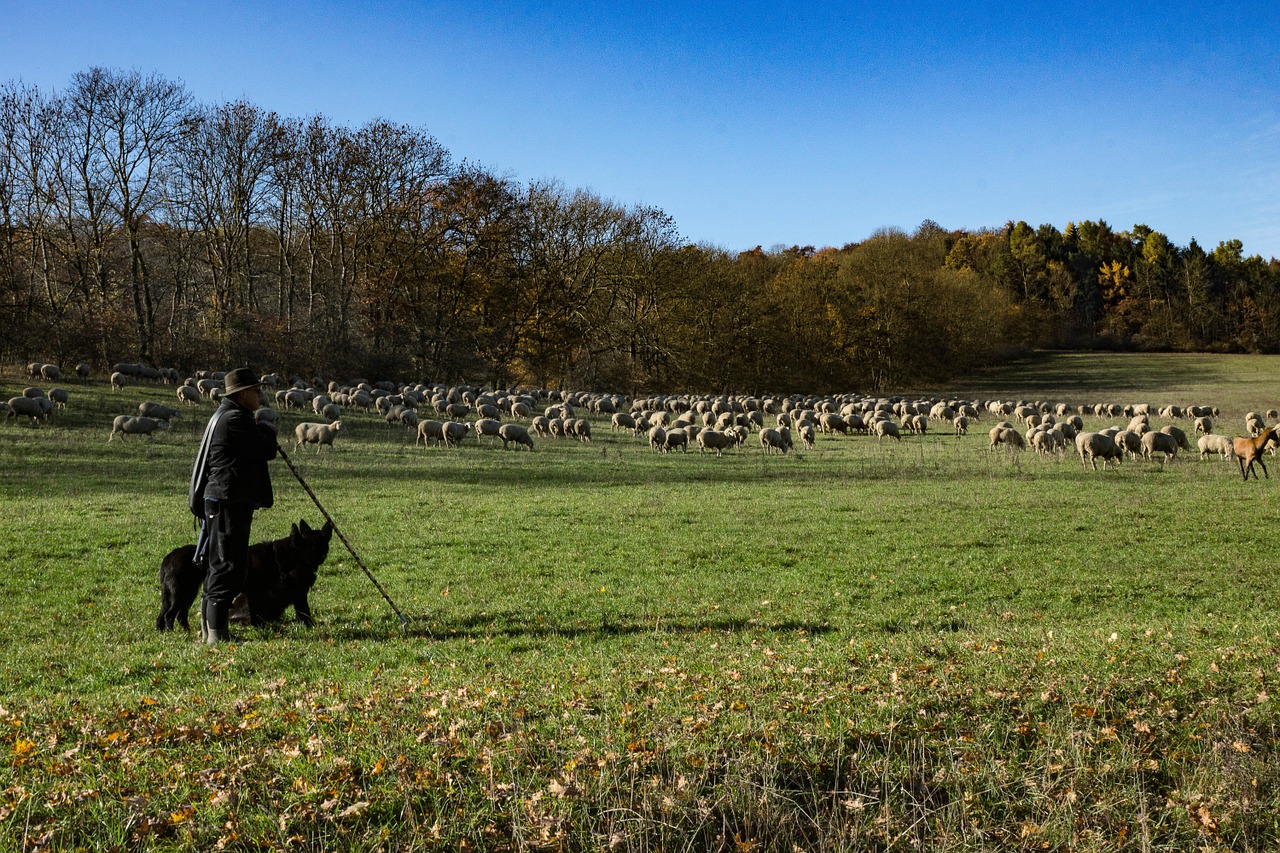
(281, 572)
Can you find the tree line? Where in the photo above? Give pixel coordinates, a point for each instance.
(137, 224)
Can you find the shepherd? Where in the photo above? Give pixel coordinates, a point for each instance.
(229, 481)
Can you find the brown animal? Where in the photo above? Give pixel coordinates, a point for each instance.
(1250, 450)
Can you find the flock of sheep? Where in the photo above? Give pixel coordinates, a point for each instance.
(439, 415)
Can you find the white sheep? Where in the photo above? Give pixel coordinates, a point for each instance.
(1178, 436)
(1204, 425)
(189, 395)
(1129, 442)
(676, 437)
(430, 432)
(488, 426)
(515, 433)
(961, 424)
(317, 434)
(710, 439)
(1214, 443)
(455, 432)
(138, 425)
(158, 411)
(1159, 442)
(776, 439)
(807, 436)
(579, 428)
(59, 396)
(28, 407)
(1096, 445)
(117, 381)
(657, 438)
(885, 428)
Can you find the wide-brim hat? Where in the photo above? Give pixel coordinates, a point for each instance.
(240, 379)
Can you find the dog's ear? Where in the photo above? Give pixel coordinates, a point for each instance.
(306, 528)
(293, 532)
(327, 530)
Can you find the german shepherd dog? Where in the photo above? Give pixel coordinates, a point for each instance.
(281, 573)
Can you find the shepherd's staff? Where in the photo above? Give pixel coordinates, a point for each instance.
(404, 623)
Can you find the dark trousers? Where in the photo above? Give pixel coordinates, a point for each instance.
(229, 525)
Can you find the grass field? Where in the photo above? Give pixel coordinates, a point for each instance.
(925, 645)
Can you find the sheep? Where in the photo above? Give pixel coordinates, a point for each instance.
(1094, 446)
(1159, 442)
(520, 409)
(331, 412)
(407, 417)
(1214, 443)
(267, 415)
(710, 439)
(515, 433)
(455, 432)
(158, 411)
(317, 434)
(776, 439)
(125, 425)
(117, 381)
(429, 432)
(82, 370)
(961, 424)
(1204, 425)
(807, 436)
(26, 406)
(657, 438)
(59, 396)
(1178, 435)
(1007, 436)
(541, 425)
(490, 427)
(1254, 424)
(674, 438)
(579, 428)
(886, 429)
(189, 395)
(1129, 442)
(50, 372)
(622, 421)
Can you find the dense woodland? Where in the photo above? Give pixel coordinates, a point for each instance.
(137, 224)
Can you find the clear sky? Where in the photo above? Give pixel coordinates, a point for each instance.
(760, 123)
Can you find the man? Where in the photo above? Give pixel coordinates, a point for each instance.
(229, 481)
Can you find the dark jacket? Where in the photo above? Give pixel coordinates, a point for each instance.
(232, 463)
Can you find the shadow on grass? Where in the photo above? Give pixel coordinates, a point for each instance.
(484, 627)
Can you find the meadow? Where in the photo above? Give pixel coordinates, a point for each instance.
(865, 646)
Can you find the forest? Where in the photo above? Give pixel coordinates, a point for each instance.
(139, 224)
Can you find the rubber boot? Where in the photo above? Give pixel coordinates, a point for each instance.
(217, 631)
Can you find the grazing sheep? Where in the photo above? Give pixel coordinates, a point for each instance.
(1178, 435)
(1159, 442)
(59, 397)
(830, 422)
(622, 421)
(455, 432)
(117, 381)
(674, 438)
(125, 425)
(50, 372)
(159, 411)
(961, 424)
(28, 407)
(657, 439)
(1094, 446)
(579, 428)
(776, 439)
(807, 436)
(1129, 442)
(541, 426)
(331, 412)
(521, 410)
(1214, 443)
(514, 432)
(317, 434)
(1204, 425)
(710, 439)
(886, 428)
(488, 426)
(189, 395)
(1009, 437)
(82, 370)
(429, 432)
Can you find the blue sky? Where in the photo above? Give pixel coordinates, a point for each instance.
(761, 124)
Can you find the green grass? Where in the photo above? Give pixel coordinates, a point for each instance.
(917, 646)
